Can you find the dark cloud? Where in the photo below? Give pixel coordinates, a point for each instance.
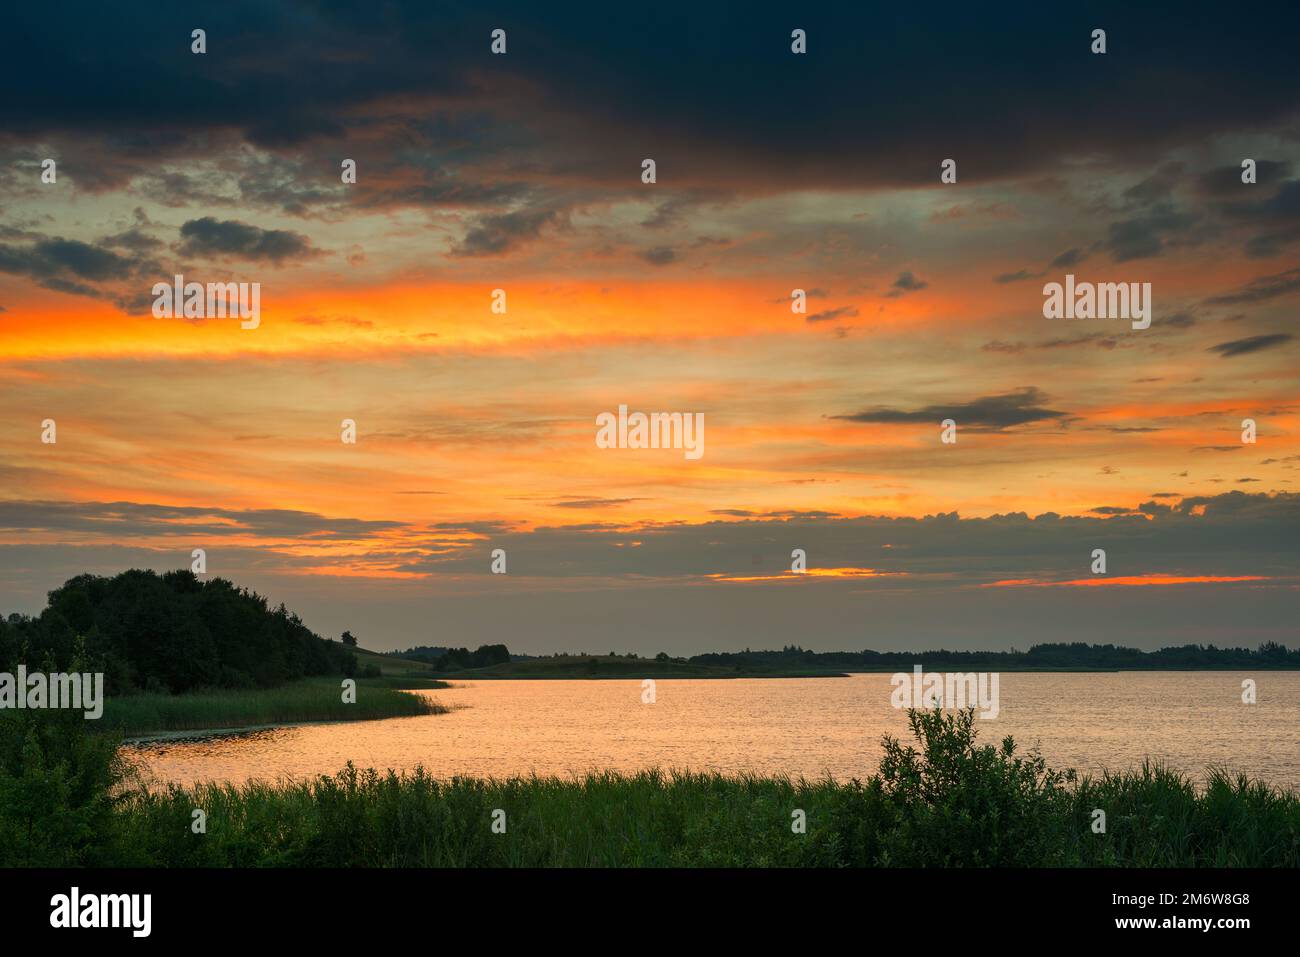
(826, 315)
(1261, 289)
(81, 269)
(594, 502)
(676, 210)
(495, 235)
(299, 74)
(1242, 347)
(1231, 533)
(904, 284)
(1071, 257)
(134, 239)
(1098, 339)
(1225, 181)
(120, 520)
(1145, 236)
(659, 255)
(52, 258)
(1155, 188)
(991, 412)
(230, 238)
(650, 576)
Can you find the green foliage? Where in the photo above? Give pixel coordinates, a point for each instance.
(58, 779)
(170, 633)
(944, 801)
(954, 803)
(483, 657)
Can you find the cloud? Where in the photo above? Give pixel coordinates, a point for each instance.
(810, 293)
(230, 238)
(1261, 289)
(594, 502)
(906, 283)
(83, 269)
(495, 235)
(659, 255)
(826, 315)
(1221, 534)
(134, 239)
(668, 581)
(992, 412)
(1225, 181)
(1071, 257)
(120, 520)
(1242, 347)
(1145, 236)
(352, 321)
(289, 95)
(52, 257)
(1179, 320)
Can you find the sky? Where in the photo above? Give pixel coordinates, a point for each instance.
(774, 171)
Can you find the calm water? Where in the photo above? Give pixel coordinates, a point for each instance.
(807, 727)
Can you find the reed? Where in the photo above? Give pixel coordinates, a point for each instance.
(311, 699)
(947, 801)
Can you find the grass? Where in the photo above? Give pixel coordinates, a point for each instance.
(391, 666)
(945, 802)
(606, 666)
(67, 799)
(311, 699)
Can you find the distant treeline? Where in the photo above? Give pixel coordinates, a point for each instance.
(1050, 657)
(453, 659)
(170, 632)
(1076, 656)
(428, 653)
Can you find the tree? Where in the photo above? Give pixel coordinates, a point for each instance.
(349, 640)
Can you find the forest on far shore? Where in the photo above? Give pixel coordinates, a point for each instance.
(171, 633)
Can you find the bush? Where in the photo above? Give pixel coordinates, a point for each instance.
(955, 804)
(58, 781)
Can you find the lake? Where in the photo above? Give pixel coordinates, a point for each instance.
(797, 726)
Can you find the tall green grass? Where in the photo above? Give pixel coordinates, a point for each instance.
(311, 699)
(943, 801)
(947, 801)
